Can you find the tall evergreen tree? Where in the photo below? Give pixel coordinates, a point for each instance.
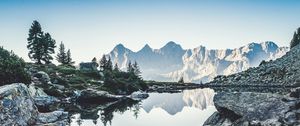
(130, 67)
(62, 55)
(136, 69)
(35, 44)
(109, 64)
(69, 60)
(116, 68)
(40, 45)
(49, 46)
(94, 60)
(103, 63)
(296, 38)
(181, 80)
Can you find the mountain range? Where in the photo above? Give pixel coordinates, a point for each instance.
(197, 65)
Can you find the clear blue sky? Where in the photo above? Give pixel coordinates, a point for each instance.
(90, 28)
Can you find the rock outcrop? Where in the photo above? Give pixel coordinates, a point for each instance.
(284, 71)
(249, 108)
(94, 96)
(17, 107)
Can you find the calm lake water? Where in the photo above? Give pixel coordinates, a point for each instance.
(188, 108)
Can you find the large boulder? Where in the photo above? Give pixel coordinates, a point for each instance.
(249, 108)
(44, 102)
(42, 76)
(16, 105)
(95, 96)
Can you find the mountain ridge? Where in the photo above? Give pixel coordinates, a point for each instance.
(199, 64)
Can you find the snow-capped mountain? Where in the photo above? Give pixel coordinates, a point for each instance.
(171, 62)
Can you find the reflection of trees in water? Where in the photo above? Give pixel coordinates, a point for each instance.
(119, 107)
(90, 111)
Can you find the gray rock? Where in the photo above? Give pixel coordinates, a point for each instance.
(42, 76)
(16, 105)
(216, 119)
(52, 117)
(139, 95)
(295, 92)
(248, 108)
(95, 96)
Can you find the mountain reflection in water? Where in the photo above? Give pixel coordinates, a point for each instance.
(190, 107)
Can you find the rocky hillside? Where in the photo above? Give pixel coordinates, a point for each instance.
(283, 71)
(171, 62)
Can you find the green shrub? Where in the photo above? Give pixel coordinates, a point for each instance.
(12, 68)
(66, 70)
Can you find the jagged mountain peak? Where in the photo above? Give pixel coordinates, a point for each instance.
(171, 45)
(120, 48)
(146, 48)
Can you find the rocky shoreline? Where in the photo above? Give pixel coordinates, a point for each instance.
(240, 107)
(252, 108)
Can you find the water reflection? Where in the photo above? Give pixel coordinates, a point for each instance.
(190, 107)
(174, 103)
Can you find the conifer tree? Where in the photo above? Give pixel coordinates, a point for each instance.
(109, 64)
(130, 68)
(136, 69)
(181, 80)
(116, 68)
(62, 55)
(296, 38)
(94, 60)
(35, 44)
(69, 59)
(49, 46)
(40, 45)
(103, 63)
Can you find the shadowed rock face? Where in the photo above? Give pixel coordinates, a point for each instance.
(254, 109)
(16, 106)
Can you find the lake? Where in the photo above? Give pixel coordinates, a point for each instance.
(187, 108)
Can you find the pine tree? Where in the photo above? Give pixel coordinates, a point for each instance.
(69, 59)
(109, 64)
(181, 80)
(35, 44)
(94, 59)
(62, 55)
(296, 39)
(130, 68)
(116, 68)
(40, 45)
(103, 63)
(136, 69)
(49, 46)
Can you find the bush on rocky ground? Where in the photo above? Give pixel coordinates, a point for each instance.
(12, 68)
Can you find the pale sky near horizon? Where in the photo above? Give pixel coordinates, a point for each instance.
(91, 28)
